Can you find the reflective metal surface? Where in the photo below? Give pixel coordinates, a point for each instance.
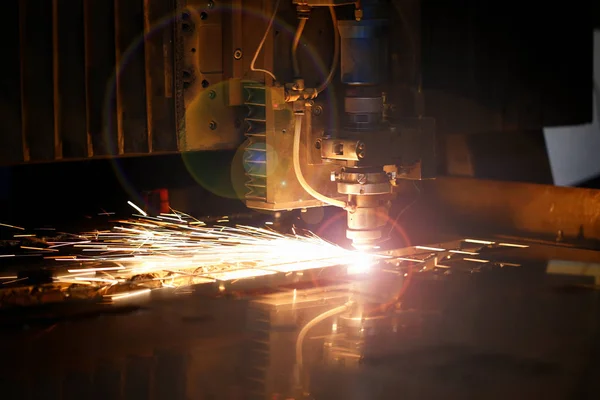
(480, 319)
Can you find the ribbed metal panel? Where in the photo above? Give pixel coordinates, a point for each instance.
(255, 153)
(86, 78)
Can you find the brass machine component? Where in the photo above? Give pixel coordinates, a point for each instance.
(293, 170)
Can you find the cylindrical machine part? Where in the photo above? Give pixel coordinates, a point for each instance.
(364, 64)
(363, 112)
(369, 189)
(366, 221)
(364, 69)
(363, 52)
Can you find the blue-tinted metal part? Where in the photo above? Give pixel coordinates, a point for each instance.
(363, 52)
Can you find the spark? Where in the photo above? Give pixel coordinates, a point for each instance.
(12, 226)
(88, 270)
(15, 281)
(137, 208)
(37, 248)
(174, 250)
(520, 246)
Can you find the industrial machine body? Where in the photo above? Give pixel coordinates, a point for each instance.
(366, 86)
(367, 106)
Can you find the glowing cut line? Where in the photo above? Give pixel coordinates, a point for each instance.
(468, 253)
(429, 248)
(126, 295)
(409, 259)
(476, 260)
(476, 241)
(520, 246)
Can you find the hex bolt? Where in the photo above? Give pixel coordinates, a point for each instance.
(238, 54)
(212, 125)
(212, 94)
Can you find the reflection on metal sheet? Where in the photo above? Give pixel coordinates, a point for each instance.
(561, 267)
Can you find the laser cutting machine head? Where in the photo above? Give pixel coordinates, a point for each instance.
(355, 163)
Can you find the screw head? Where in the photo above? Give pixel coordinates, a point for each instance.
(361, 178)
(212, 125)
(318, 144)
(317, 110)
(238, 54)
(212, 94)
(211, 5)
